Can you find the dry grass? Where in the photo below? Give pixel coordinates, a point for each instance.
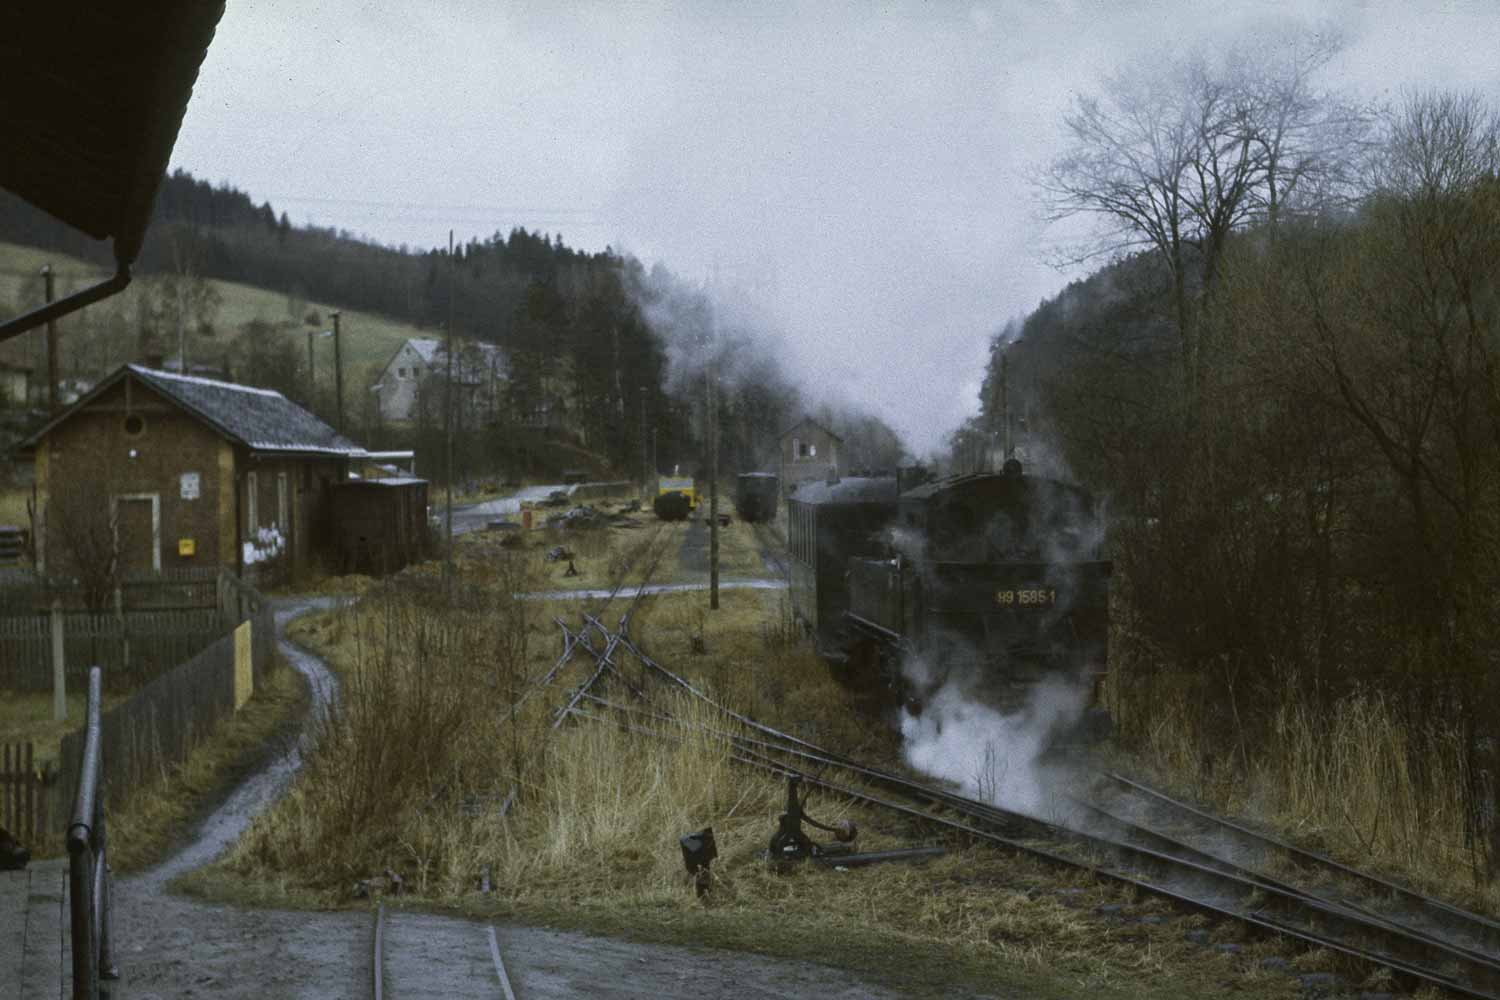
(13, 507)
(1354, 781)
(739, 551)
(159, 815)
(411, 774)
(27, 718)
(368, 340)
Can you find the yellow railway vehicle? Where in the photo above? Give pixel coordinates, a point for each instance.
(687, 487)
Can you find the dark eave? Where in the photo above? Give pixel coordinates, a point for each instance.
(91, 101)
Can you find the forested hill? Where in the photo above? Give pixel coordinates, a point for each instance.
(221, 233)
(1294, 420)
(624, 352)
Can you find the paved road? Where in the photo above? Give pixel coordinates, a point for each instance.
(473, 517)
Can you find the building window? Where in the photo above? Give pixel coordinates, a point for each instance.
(252, 502)
(283, 521)
(812, 451)
(135, 425)
(798, 451)
(401, 372)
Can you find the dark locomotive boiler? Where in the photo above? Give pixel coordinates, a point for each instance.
(993, 580)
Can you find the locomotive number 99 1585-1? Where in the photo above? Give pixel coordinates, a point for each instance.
(1041, 597)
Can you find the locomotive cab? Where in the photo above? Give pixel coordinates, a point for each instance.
(993, 580)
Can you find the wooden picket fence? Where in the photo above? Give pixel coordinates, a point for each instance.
(23, 795)
(131, 647)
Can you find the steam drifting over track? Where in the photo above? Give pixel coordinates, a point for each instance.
(1421, 939)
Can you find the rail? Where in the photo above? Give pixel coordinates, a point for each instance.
(88, 862)
(1110, 848)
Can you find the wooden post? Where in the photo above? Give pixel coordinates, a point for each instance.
(51, 345)
(338, 373)
(124, 635)
(59, 673)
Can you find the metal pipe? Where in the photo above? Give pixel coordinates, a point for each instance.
(90, 913)
(56, 310)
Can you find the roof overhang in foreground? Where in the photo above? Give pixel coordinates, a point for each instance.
(91, 102)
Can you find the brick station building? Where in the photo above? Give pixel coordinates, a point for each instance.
(187, 472)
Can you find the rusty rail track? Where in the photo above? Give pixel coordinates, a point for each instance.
(1318, 875)
(479, 981)
(1111, 847)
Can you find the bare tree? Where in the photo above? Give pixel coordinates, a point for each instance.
(82, 540)
(1175, 156)
(1313, 142)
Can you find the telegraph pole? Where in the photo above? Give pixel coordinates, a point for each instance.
(51, 343)
(645, 464)
(338, 372)
(312, 377)
(713, 480)
(448, 424)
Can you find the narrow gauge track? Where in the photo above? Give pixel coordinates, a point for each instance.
(772, 549)
(576, 639)
(408, 960)
(1317, 875)
(1112, 849)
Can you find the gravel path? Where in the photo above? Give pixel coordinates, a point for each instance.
(169, 947)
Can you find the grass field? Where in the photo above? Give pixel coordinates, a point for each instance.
(13, 507)
(368, 340)
(27, 718)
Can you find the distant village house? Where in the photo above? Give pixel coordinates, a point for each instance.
(421, 363)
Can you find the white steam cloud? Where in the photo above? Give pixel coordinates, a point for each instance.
(993, 756)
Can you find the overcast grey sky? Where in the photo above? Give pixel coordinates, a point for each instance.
(857, 167)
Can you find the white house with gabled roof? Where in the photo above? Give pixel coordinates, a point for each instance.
(480, 371)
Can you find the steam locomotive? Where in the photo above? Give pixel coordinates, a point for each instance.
(992, 579)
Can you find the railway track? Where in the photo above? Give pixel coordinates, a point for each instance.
(772, 548)
(1312, 873)
(1191, 860)
(415, 955)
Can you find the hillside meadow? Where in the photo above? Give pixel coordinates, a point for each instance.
(369, 340)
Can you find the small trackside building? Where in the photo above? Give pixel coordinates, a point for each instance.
(809, 451)
(185, 472)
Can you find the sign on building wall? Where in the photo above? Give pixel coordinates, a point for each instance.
(190, 486)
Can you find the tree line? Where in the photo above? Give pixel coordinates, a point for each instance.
(620, 346)
(1285, 380)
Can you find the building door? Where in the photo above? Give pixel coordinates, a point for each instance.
(138, 533)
